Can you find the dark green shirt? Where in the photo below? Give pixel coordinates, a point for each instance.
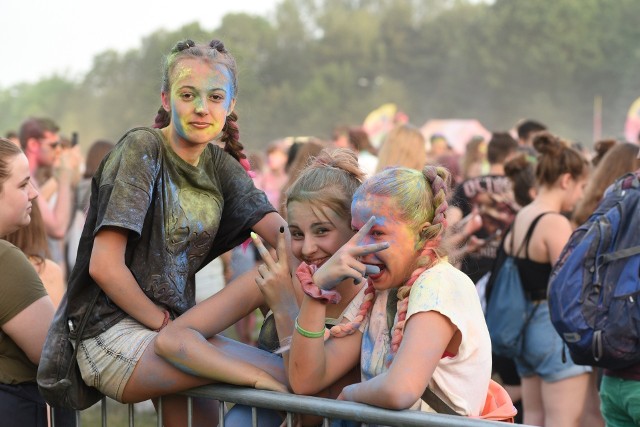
(20, 287)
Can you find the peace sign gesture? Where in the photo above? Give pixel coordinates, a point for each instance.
(274, 277)
(345, 262)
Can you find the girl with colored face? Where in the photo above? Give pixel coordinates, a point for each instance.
(168, 201)
(25, 308)
(319, 221)
(412, 290)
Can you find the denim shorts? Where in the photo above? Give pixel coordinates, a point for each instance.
(542, 349)
(107, 360)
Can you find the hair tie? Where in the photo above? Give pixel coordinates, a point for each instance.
(217, 45)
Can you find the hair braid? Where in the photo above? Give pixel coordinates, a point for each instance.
(344, 329)
(231, 137)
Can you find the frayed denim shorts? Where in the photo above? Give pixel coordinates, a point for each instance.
(107, 360)
(542, 349)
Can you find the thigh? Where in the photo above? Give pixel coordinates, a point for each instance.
(564, 400)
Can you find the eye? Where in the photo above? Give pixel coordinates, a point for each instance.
(216, 97)
(296, 235)
(321, 231)
(186, 96)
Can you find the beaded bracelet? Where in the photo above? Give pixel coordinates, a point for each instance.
(306, 333)
(304, 272)
(165, 322)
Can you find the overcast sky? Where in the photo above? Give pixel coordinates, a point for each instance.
(41, 37)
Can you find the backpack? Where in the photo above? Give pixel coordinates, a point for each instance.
(594, 286)
(506, 313)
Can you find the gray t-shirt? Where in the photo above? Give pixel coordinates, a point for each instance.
(179, 216)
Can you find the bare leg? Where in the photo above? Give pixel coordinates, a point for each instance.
(532, 401)
(153, 377)
(564, 401)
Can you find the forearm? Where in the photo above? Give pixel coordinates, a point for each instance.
(380, 391)
(307, 360)
(121, 287)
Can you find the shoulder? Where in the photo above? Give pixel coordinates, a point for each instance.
(140, 139)
(13, 259)
(442, 279)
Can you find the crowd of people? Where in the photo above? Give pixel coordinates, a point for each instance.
(337, 259)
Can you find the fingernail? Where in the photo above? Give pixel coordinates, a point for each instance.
(254, 236)
(282, 228)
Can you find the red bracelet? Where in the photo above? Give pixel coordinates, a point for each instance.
(165, 322)
(305, 276)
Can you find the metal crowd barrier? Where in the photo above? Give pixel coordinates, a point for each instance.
(292, 404)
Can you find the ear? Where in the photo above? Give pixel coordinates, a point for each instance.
(33, 145)
(565, 180)
(166, 101)
(232, 105)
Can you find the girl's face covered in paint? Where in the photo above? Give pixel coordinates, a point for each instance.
(200, 100)
(398, 261)
(316, 232)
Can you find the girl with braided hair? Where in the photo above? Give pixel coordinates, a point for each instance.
(422, 326)
(164, 203)
(319, 221)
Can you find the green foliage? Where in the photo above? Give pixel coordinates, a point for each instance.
(318, 63)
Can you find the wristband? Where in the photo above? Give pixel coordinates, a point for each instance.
(165, 322)
(304, 272)
(306, 333)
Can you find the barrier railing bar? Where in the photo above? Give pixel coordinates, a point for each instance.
(159, 411)
(332, 409)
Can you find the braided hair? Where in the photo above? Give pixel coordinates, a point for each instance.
(215, 53)
(420, 198)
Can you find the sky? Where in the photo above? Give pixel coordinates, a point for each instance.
(39, 38)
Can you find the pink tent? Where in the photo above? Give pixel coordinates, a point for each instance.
(457, 131)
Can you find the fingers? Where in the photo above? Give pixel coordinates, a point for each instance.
(281, 249)
(263, 251)
(361, 234)
(369, 249)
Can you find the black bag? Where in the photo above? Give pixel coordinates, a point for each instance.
(59, 379)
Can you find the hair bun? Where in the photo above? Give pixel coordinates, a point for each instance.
(183, 45)
(547, 143)
(217, 45)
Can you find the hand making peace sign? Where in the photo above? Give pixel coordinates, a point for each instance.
(345, 263)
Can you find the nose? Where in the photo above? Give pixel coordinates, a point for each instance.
(33, 193)
(201, 107)
(309, 247)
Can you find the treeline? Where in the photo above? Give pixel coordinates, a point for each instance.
(317, 63)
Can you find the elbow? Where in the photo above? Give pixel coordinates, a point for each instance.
(400, 399)
(302, 385)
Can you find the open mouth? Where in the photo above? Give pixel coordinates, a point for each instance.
(377, 276)
(317, 262)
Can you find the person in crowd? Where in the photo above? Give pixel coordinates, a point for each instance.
(340, 137)
(601, 147)
(491, 197)
(360, 143)
(474, 161)
(438, 146)
(275, 177)
(553, 392)
(97, 152)
(410, 288)
(303, 156)
(621, 158)
(620, 388)
(403, 146)
(164, 203)
(32, 241)
(12, 136)
(527, 130)
(26, 310)
(41, 142)
(522, 173)
(319, 221)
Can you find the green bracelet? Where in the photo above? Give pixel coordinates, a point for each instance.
(308, 334)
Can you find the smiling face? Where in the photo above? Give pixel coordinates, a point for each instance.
(316, 232)
(201, 98)
(398, 261)
(16, 195)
